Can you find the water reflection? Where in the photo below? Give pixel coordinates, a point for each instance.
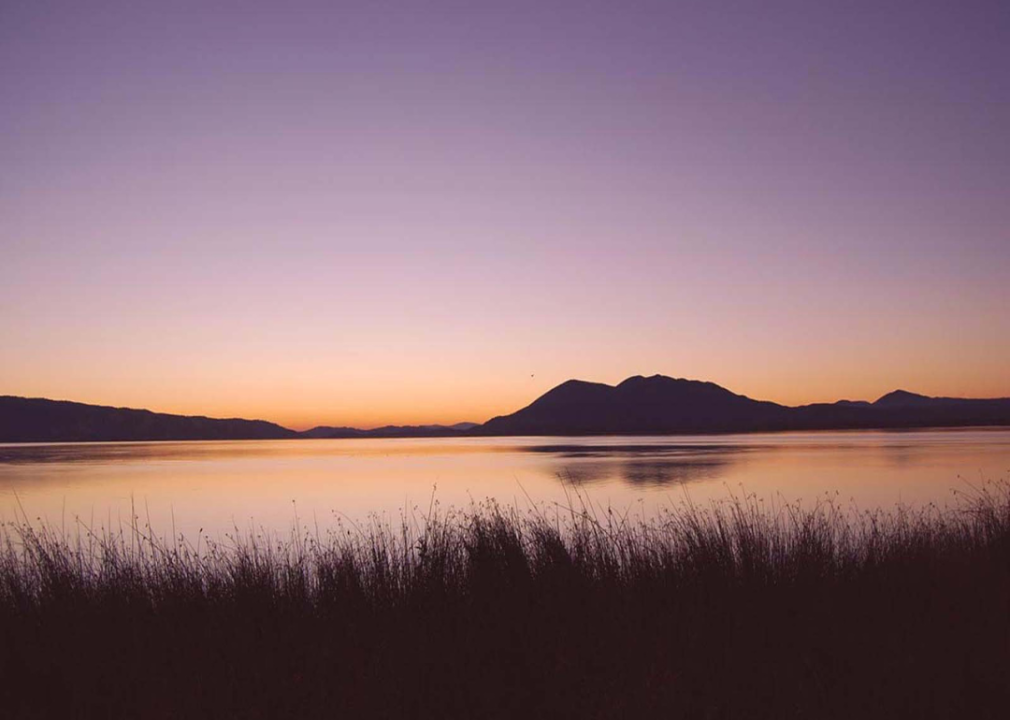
(100, 453)
(590, 448)
(642, 464)
(901, 454)
(222, 484)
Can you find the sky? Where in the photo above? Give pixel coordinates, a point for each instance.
(360, 214)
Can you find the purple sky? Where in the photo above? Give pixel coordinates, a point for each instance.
(322, 212)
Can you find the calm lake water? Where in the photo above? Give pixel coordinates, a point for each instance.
(218, 486)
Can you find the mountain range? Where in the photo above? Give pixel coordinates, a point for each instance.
(639, 405)
(40, 420)
(664, 405)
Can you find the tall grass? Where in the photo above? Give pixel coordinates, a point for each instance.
(729, 610)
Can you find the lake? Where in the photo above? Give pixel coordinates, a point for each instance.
(219, 486)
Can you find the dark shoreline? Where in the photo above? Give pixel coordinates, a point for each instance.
(465, 435)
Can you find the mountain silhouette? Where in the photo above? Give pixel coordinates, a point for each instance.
(639, 405)
(660, 404)
(40, 420)
(903, 398)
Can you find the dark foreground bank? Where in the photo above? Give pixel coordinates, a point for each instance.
(736, 611)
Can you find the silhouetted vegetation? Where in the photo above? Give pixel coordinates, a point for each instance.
(737, 610)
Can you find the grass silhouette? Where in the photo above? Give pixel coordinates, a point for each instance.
(729, 610)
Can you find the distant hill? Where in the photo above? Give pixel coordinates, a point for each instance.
(39, 420)
(390, 431)
(660, 404)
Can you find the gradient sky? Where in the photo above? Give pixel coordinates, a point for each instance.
(385, 212)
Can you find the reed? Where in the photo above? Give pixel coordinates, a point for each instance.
(734, 609)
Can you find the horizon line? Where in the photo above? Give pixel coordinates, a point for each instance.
(295, 427)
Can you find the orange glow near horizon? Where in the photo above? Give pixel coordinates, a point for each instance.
(470, 349)
(450, 337)
(368, 400)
